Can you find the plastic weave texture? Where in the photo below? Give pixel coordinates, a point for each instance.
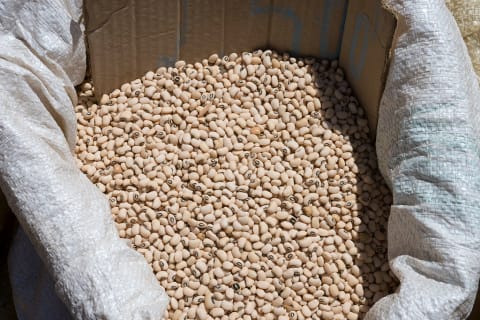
(428, 147)
(94, 272)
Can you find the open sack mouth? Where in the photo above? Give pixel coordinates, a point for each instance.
(231, 144)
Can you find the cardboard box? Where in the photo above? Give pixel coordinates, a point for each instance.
(127, 38)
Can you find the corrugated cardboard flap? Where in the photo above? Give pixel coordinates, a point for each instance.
(127, 38)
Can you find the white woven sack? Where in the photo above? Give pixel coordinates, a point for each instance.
(95, 273)
(428, 151)
(428, 147)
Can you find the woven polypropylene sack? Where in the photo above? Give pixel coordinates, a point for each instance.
(428, 146)
(67, 219)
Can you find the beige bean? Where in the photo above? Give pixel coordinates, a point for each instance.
(246, 182)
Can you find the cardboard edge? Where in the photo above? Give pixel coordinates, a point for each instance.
(393, 41)
(389, 45)
(88, 72)
(386, 66)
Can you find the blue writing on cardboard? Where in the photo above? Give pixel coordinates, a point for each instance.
(169, 61)
(329, 7)
(166, 61)
(183, 22)
(288, 13)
